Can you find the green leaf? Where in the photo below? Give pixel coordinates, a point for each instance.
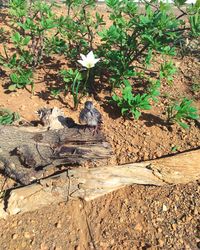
(183, 125)
(26, 40)
(16, 37)
(112, 3)
(124, 110)
(179, 2)
(136, 113)
(12, 87)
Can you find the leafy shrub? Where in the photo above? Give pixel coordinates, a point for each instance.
(167, 70)
(131, 105)
(7, 117)
(183, 111)
(32, 23)
(135, 36)
(127, 47)
(79, 27)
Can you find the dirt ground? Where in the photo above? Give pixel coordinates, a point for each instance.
(137, 217)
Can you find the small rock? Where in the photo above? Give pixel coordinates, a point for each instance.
(112, 242)
(174, 226)
(159, 154)
(138, 227)
(121, 220)
(22, 107)
(196, 211)
(189, 218)
(103, 244)
(27, 235)
(164, 208)
(14, 236)
(161, 243)
(58, 225)
(23, 244)
(19, 222)
(58, 248)
(43, 246)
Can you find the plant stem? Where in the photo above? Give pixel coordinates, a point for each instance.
(75, 91)
(86, 80)
(32, 88)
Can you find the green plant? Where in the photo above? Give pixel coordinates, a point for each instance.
(79, 84)
(167, 70)
(73, 84)
(55, 92)
(194, 19)
(2, 34)
(182, 111)
(33, 24)
(134, 36)
(174, 148)
(154, 89)
(195, 88)
(7, 117)
(79, 27)
(20, 79)
(131, 105)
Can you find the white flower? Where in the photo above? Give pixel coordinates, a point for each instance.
(88, 61)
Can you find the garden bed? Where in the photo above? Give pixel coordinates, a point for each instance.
(132, 140)
(148, 219)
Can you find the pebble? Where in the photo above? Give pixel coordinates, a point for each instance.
(158, 154)
(138, 227)
(103, 244)
(22, 107)
(43, 246)
(174, 226)
(23, 244)
(58, 248)
(196, 211)
(15, 236)
(58, 224)
(121, 220)
(164, 208)
(27, 235)
(161, 243)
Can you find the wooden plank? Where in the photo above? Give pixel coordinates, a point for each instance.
(91, 183)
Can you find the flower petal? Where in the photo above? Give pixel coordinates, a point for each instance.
(82, 62)
(96, 60)
(90, 56)
(83, 57)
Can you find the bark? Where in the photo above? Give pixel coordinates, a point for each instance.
(25, 152)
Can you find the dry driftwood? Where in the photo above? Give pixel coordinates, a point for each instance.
(24, 151)
(91, 183)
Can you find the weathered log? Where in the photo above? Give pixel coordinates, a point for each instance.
(24, 152)
(91, 183)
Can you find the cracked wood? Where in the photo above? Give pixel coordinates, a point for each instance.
(25, 151)
(92, 183)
